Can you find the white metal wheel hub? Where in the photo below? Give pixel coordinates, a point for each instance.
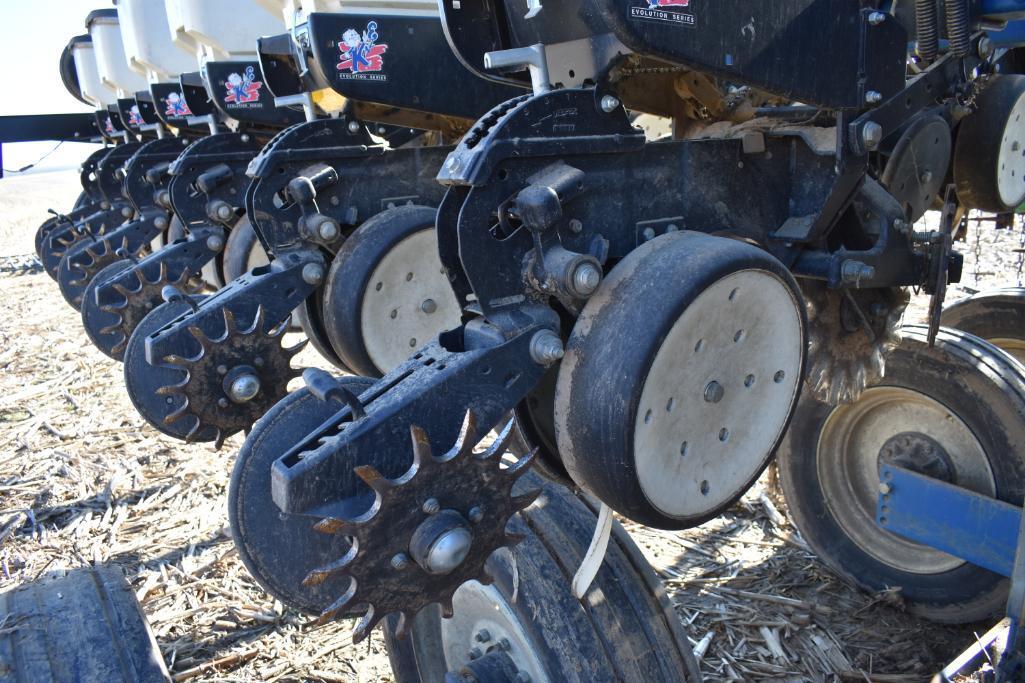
(847, 461)
(408, 301)
(1011, 158)
(483, 619)
(718, 394)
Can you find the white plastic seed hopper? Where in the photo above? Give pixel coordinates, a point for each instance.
(114, 71)
(149, 46)
(93, 89)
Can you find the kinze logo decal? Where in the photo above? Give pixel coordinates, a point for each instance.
(243, 89)
(665, 11)
(362, 55)
(176, 106)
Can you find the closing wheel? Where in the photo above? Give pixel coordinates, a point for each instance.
(386, 293)
(989, 155)
(955, 412)
(997, 315)
(280, 550)
(624, 629)
(680, 377)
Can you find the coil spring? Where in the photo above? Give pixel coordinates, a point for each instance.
(957, 27)
(927, 28)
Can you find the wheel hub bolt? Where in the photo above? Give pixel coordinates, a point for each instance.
(214, 243)
(475, 653)
(482, 636)
(714, 392)
(222, 402)
(223, 211)
(586, 278)
(431, 506)
(503, 644)
(313, 273)
(245, 388)
(475, 514)
(884, 488)
(546, 347)
(609, 103)
(127, 212)
(429, 306)
(328, 230)
(160, 223)
(400, 561)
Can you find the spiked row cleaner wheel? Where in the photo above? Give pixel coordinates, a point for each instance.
(218, 387)
(427, 532)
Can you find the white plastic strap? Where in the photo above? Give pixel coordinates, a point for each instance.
(595, 553)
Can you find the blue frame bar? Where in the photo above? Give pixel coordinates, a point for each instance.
(973, 527)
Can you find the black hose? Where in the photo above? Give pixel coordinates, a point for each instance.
(927, 28)
(957, 27)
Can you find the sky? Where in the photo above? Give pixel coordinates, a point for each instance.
(33, 33)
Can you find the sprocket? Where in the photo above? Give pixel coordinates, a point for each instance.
(81, 264)
(849, 334)
(138, 300)
(428, 532)
(233, 379)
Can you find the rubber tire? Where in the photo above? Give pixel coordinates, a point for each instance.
(993, 314)
(94, 319)
(624, 629)
(595, 416)
(85, 626)
(988, 388)
(976, 149)
(252, 512)
(350, 275)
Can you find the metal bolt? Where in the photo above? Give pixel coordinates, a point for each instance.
(431, 506)
(672, 227)
(245, 388)
(400, 561)
(328, 230)
(453, 163)
(475, 653)
(714, 392)
(224, 211)
(876, 18)
(871, 135)
(245, 137)
(649, 233)
(884, 488)
(546, 347)
(475, 514)
(575, 226)
(900, 225)
(873, 97)
(482, 636)
(222, 369)
(609, 103)
(853, 272)
(353, 126)
(926, 176)
(160, 223)
(215, 243)
(428, 306)
(586, 278)
(313, 273)
(503, 644)
(165, 198)
(985, 48)
(127, 212)
(222, 402)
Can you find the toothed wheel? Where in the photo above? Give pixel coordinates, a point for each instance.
(110, 326)
(427, 532)
(624, 629)
(278, 549)
(215, 387)
(56, 245)
(849, 334)
(83, 261)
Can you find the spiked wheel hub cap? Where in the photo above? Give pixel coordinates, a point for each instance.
(427, 532)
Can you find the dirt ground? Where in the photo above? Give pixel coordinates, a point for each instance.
(84, 480)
